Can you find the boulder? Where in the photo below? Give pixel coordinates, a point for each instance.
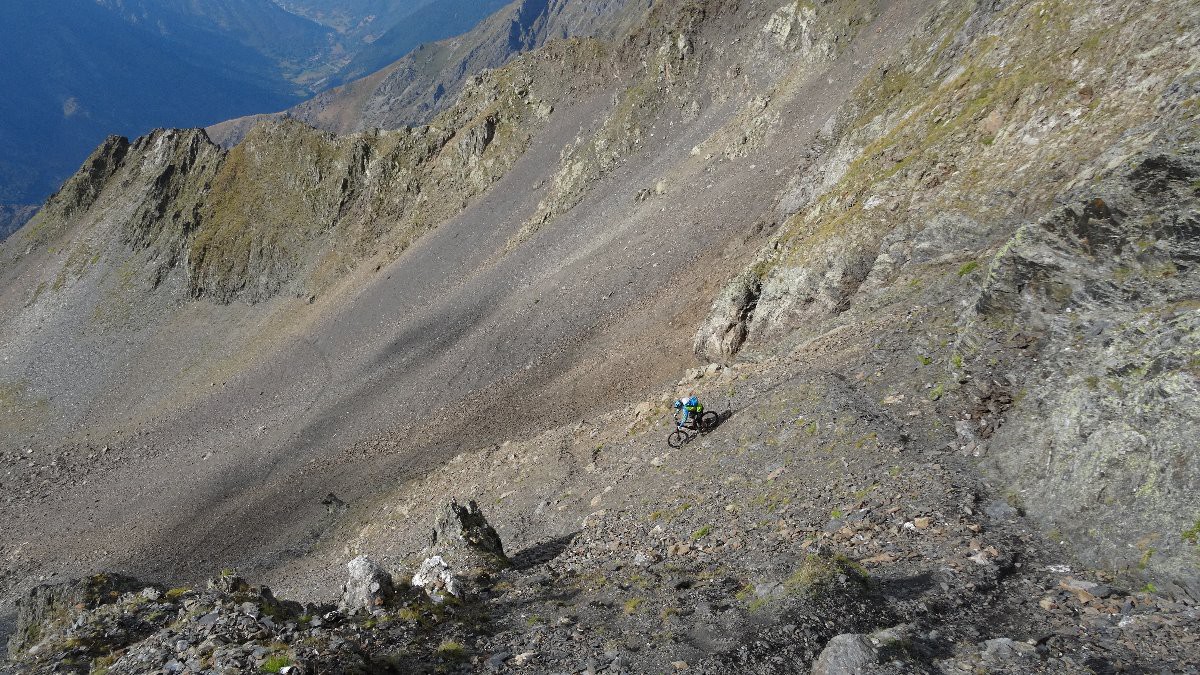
(436, 578)
(846, 654)
(369, 586)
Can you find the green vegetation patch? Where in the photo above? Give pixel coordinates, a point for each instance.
(276, 663)
(1192, 534)
(818, 573)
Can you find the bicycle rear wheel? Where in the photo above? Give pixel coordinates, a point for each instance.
(677, 439)
(709, 421)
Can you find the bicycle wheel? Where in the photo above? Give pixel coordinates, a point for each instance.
(677, 439)
(709, 421)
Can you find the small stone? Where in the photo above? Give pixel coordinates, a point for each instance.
(496, 661)
(523, 658)
(679, 665)
(921, 523)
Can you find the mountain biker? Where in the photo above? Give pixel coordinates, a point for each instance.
(691, 407)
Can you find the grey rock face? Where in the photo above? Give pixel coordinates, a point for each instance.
(369, 586)
(723, 332)
(1101, 294)
(846, 654)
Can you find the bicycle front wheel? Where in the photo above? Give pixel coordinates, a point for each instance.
(677, 439)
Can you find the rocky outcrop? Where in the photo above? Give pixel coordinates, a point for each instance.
(846, 654)
(463, 550)
(51, 606)
(721, 335)
(436, 578)
(1101, 293)
(463, 535)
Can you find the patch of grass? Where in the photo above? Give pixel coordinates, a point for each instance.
(957, 361)
(860, 494)
(1192, 534)
(1149, 588)
(276, 663)
(176, 593)
(701, 533)
(968, 267)
(818, 571)
(924, 360)
(101, 664)
(835, 514)
(631, 605)
(937, 392)
(454, 651)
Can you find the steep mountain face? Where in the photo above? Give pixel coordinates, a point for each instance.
(935, 259)
(935, 180)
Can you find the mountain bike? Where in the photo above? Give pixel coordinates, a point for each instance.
(701, 424)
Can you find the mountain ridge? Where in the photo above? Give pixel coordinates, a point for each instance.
(413, 89)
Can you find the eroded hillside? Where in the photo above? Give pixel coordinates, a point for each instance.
(938, 255)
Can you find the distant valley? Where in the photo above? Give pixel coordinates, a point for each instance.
(79, 70)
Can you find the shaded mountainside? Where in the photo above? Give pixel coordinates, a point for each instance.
(361, 19)
(76, 71)
(411, 91)
(79, 70)
(435, 21)
(12, 217)
(935, 259)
